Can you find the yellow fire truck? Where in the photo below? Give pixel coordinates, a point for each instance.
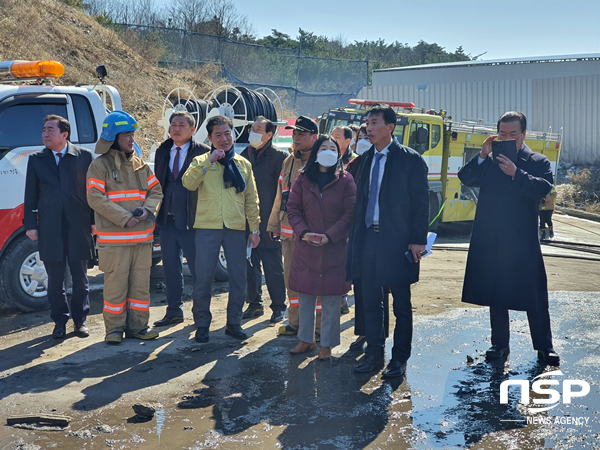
(446, 145)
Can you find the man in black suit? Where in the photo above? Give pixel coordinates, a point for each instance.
(57, 215)
(266, 163)
(178, 211)
(390, 219)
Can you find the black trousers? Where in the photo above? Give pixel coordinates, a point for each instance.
(272, 265)
(174, 245)
(545, 217)
(374, 307)
(359, 310)
(539, 327)
(57, 294)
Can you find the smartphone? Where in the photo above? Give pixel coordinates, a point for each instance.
(410, 258)
(506, 148)
(315, 240)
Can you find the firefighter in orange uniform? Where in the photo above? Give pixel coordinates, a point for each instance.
(126, 196)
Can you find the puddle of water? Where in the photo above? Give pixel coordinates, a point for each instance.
(270, 399)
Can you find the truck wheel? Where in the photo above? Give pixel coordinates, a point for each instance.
(221, 273)
(23, 277)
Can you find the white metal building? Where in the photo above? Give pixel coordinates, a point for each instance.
(552, 91)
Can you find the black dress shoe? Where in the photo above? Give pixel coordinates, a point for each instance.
(358, 344)
(60, 331)
(82, 330)
(496, 352)
(549, 357)
(369, 364)
(394, 369)
(277, 316)
(168, 320)
(235, 331)
(201, 334)
(253, 311)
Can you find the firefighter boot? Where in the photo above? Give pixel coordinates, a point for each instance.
(542, 234)
(551, 232)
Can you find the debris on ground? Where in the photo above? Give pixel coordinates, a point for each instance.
(144, 410)
(43, 420)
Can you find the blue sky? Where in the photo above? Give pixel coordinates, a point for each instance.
(503, 29)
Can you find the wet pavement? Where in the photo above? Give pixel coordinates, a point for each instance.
(227, 395)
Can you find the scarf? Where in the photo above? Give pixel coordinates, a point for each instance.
(231, 175)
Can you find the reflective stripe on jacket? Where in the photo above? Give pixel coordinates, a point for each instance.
(115, 187)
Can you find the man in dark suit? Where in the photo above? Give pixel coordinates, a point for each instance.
(390, 219)
(178, 211)
(266, 163)
(57, 215)
(505, 268)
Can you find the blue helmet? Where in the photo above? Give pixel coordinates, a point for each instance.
(117, 122)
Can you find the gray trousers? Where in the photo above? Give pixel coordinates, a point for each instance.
(330, 322)
(208, 246)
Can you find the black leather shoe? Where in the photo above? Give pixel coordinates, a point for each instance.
(60, 331)
(168, 320)
(497, 352)
(277, 316)
(201, 334)
(235, 331)
(549, 357)
(358, 344)
(369, 364)
(82, 330)
(252, 311)
(394, 369)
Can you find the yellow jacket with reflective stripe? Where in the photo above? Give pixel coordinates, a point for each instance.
(116, 186)
(217, 206)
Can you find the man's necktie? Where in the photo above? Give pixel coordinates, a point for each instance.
(60, 155)
(373, 190)
(176, 163)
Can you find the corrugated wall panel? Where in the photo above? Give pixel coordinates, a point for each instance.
(549, 94)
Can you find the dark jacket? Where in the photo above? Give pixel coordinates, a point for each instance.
(403, 216)
(321, 270)
(56, 205)
(266, 168)
(505, 267)
(161, 170)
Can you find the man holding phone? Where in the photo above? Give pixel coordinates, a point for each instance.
(505, 269)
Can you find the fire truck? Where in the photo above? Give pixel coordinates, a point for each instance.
(446, 146)
(27, 95)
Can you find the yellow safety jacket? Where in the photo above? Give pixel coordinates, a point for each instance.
(290, 169)
(116, 186)
(219, 207)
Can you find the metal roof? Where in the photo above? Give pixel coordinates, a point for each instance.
(494, 62)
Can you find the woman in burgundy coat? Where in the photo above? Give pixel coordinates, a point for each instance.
(320, 209)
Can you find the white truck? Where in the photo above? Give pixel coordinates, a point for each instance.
(27, 95)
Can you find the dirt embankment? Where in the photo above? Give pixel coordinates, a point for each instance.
(48, 29)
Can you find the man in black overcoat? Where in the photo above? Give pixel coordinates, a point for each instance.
(266, 163)
(505, 269)
(57, 215)
(178, 210)
(390, 218)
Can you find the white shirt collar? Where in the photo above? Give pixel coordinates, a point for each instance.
(63, 151)
(183, 147)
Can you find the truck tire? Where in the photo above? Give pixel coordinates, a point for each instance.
(23, 277)
(221, 273)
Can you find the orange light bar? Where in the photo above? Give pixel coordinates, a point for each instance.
(355, 101)
(37, 69)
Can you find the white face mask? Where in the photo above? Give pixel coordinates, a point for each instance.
(327, 158)
(362, 146)
(352, 141)
(255, 139)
